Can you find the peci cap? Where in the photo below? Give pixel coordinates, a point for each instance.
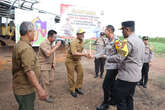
(126, 24)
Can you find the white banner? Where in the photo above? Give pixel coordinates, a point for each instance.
(74, 18)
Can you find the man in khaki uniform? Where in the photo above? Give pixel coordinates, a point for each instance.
(26, 70)
(73, 63)
(47, 62)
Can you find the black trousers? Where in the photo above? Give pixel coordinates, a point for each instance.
(108, 84)
(123, 94)
(145, 70)
(99, 65)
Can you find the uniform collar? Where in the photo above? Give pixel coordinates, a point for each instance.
(79, 41)
(132, 35)
(26, 40)
(47, 41)
(146, 45)
(114, 38)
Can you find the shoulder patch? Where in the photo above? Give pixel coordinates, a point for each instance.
(123, 50)
(151, 47)
(117, 44)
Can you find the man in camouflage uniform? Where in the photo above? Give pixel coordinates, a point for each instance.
(47, 62)
(99, 62)
(111, 46)
(147, 62)
(26, 69)
(73, 63)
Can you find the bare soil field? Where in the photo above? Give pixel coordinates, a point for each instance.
(151, 98)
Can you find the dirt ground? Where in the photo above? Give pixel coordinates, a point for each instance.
(152, 98)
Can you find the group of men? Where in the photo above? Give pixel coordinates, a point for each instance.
(127, 64)
(35, 72)
(32, 72)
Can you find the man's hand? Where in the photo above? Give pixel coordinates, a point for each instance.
(33, 79)
(92, 56)
(87, 55)
(42, 94)
(150, 64)
(54, 66)
(104, 56)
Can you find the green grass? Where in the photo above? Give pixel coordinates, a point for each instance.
(157, 39)
(157, 43)
(159, 48)
(87, 44)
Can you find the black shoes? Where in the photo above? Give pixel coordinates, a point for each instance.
(102, 107)
(145, 86)
(79, 91)
(101, 75)
(74, 94)
(96, 76)
(141, 84)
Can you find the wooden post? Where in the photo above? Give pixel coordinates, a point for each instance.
(90, 47)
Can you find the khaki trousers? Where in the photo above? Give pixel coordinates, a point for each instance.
(47, 81)
(72, 66)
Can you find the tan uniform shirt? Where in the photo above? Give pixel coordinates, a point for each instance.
(24, 59)
(75, 46)
(46, 61)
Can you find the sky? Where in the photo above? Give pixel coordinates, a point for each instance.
(147, 14)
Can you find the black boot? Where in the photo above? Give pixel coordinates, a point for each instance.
(101, 75)
(79, 91)
(96, 75)
(74, 94)
(145, 85)
(102, 107)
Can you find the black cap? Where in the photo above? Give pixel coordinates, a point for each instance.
(145, 38)
(127, 24)
(102, 33)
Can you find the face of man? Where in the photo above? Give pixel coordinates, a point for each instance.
(52, 38)
(80, 36)
(102, 36)
(30, 35)
(109, 33)
(125, 32)
(145, 42)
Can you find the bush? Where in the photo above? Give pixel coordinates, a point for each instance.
(157, 43)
